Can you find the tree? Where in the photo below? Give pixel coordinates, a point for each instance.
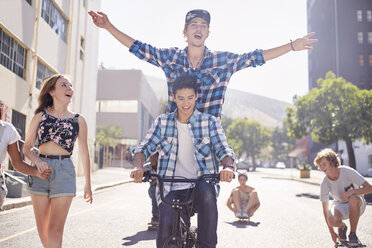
(281, 142)
(249, 137)
(226, 122)
(108, 136)
(337, 110)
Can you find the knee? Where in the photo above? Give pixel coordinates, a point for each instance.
(55, 230)
(354, 201)
(332, 220)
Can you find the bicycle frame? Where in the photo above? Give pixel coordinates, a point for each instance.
(179, 237)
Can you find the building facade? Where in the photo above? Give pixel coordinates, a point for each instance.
(125, 99)
(344, 30)
(39, 38)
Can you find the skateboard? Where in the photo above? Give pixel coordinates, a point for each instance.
(346, 244)
(151, 226)
(243, 219)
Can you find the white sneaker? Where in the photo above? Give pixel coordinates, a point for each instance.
(245, 215)
(238, 214)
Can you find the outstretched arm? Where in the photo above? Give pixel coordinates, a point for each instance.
(101, 20)
(299, 44)
(330, 228)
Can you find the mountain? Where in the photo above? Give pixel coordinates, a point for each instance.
(238, 104)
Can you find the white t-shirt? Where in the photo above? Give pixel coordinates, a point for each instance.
(348, 177)
(186, 164)
(8, 135)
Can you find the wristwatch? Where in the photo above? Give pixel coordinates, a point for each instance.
(224, 166)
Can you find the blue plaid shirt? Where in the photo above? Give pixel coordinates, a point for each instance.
(213, 74)
(207, 135)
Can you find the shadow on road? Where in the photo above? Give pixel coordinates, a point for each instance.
(243, 224)
(308, 195)
(139, 236)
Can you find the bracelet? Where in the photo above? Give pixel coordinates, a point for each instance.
(224, 166)
(292, 45)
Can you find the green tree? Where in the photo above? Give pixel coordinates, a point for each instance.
(226, 122)
(108, 136)
(248, 137)
(281, 142)
(337, 110)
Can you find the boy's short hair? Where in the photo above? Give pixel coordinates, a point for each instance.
(185, 81)
(328, 154)
(243, 175)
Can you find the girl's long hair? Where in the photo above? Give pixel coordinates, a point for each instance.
(45, 99)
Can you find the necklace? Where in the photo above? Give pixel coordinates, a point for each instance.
(197, 65)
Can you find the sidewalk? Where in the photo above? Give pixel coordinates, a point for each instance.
(316, 176)
(100, 179)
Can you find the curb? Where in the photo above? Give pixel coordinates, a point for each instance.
(292, 179)
(25, 201)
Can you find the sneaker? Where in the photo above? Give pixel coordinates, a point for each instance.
(155, 221)
(245, 215)
(353, 239)
(342, 234)
(239, 214)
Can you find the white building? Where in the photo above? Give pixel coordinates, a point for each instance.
(42, 37)
(363, 156)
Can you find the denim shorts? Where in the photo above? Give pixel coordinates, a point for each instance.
(61, 182)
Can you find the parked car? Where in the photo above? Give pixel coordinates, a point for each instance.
(280, 165)
(244, 165)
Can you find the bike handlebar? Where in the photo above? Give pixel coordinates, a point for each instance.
(161, 180)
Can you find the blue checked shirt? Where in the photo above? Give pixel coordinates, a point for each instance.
(207, 135)
(213, 74)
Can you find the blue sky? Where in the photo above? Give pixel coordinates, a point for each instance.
(236, 25)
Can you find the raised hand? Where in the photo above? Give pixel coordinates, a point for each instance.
(100, 19)
(304, 43)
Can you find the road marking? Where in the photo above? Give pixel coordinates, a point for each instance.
(71, 215)
(17, 234)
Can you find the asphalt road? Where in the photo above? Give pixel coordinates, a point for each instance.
(290, 216)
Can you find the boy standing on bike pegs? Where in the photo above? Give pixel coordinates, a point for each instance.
(187, 140)
(347, 187)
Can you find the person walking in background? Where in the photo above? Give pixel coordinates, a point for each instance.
(243, 200)
(212, 69)
(56, 129)
(8, 143)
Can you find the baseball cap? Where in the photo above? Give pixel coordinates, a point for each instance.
(198, 13)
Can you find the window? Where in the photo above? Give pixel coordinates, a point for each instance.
(370, 161)
(12, 54)
(361, 60)
(370, 60)
(359, 15)
(360, 37)
(43, 72)
(29, 2)
(369, 37)
(19, 122)
(369, 15)
(54, 18)
(117, 106)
